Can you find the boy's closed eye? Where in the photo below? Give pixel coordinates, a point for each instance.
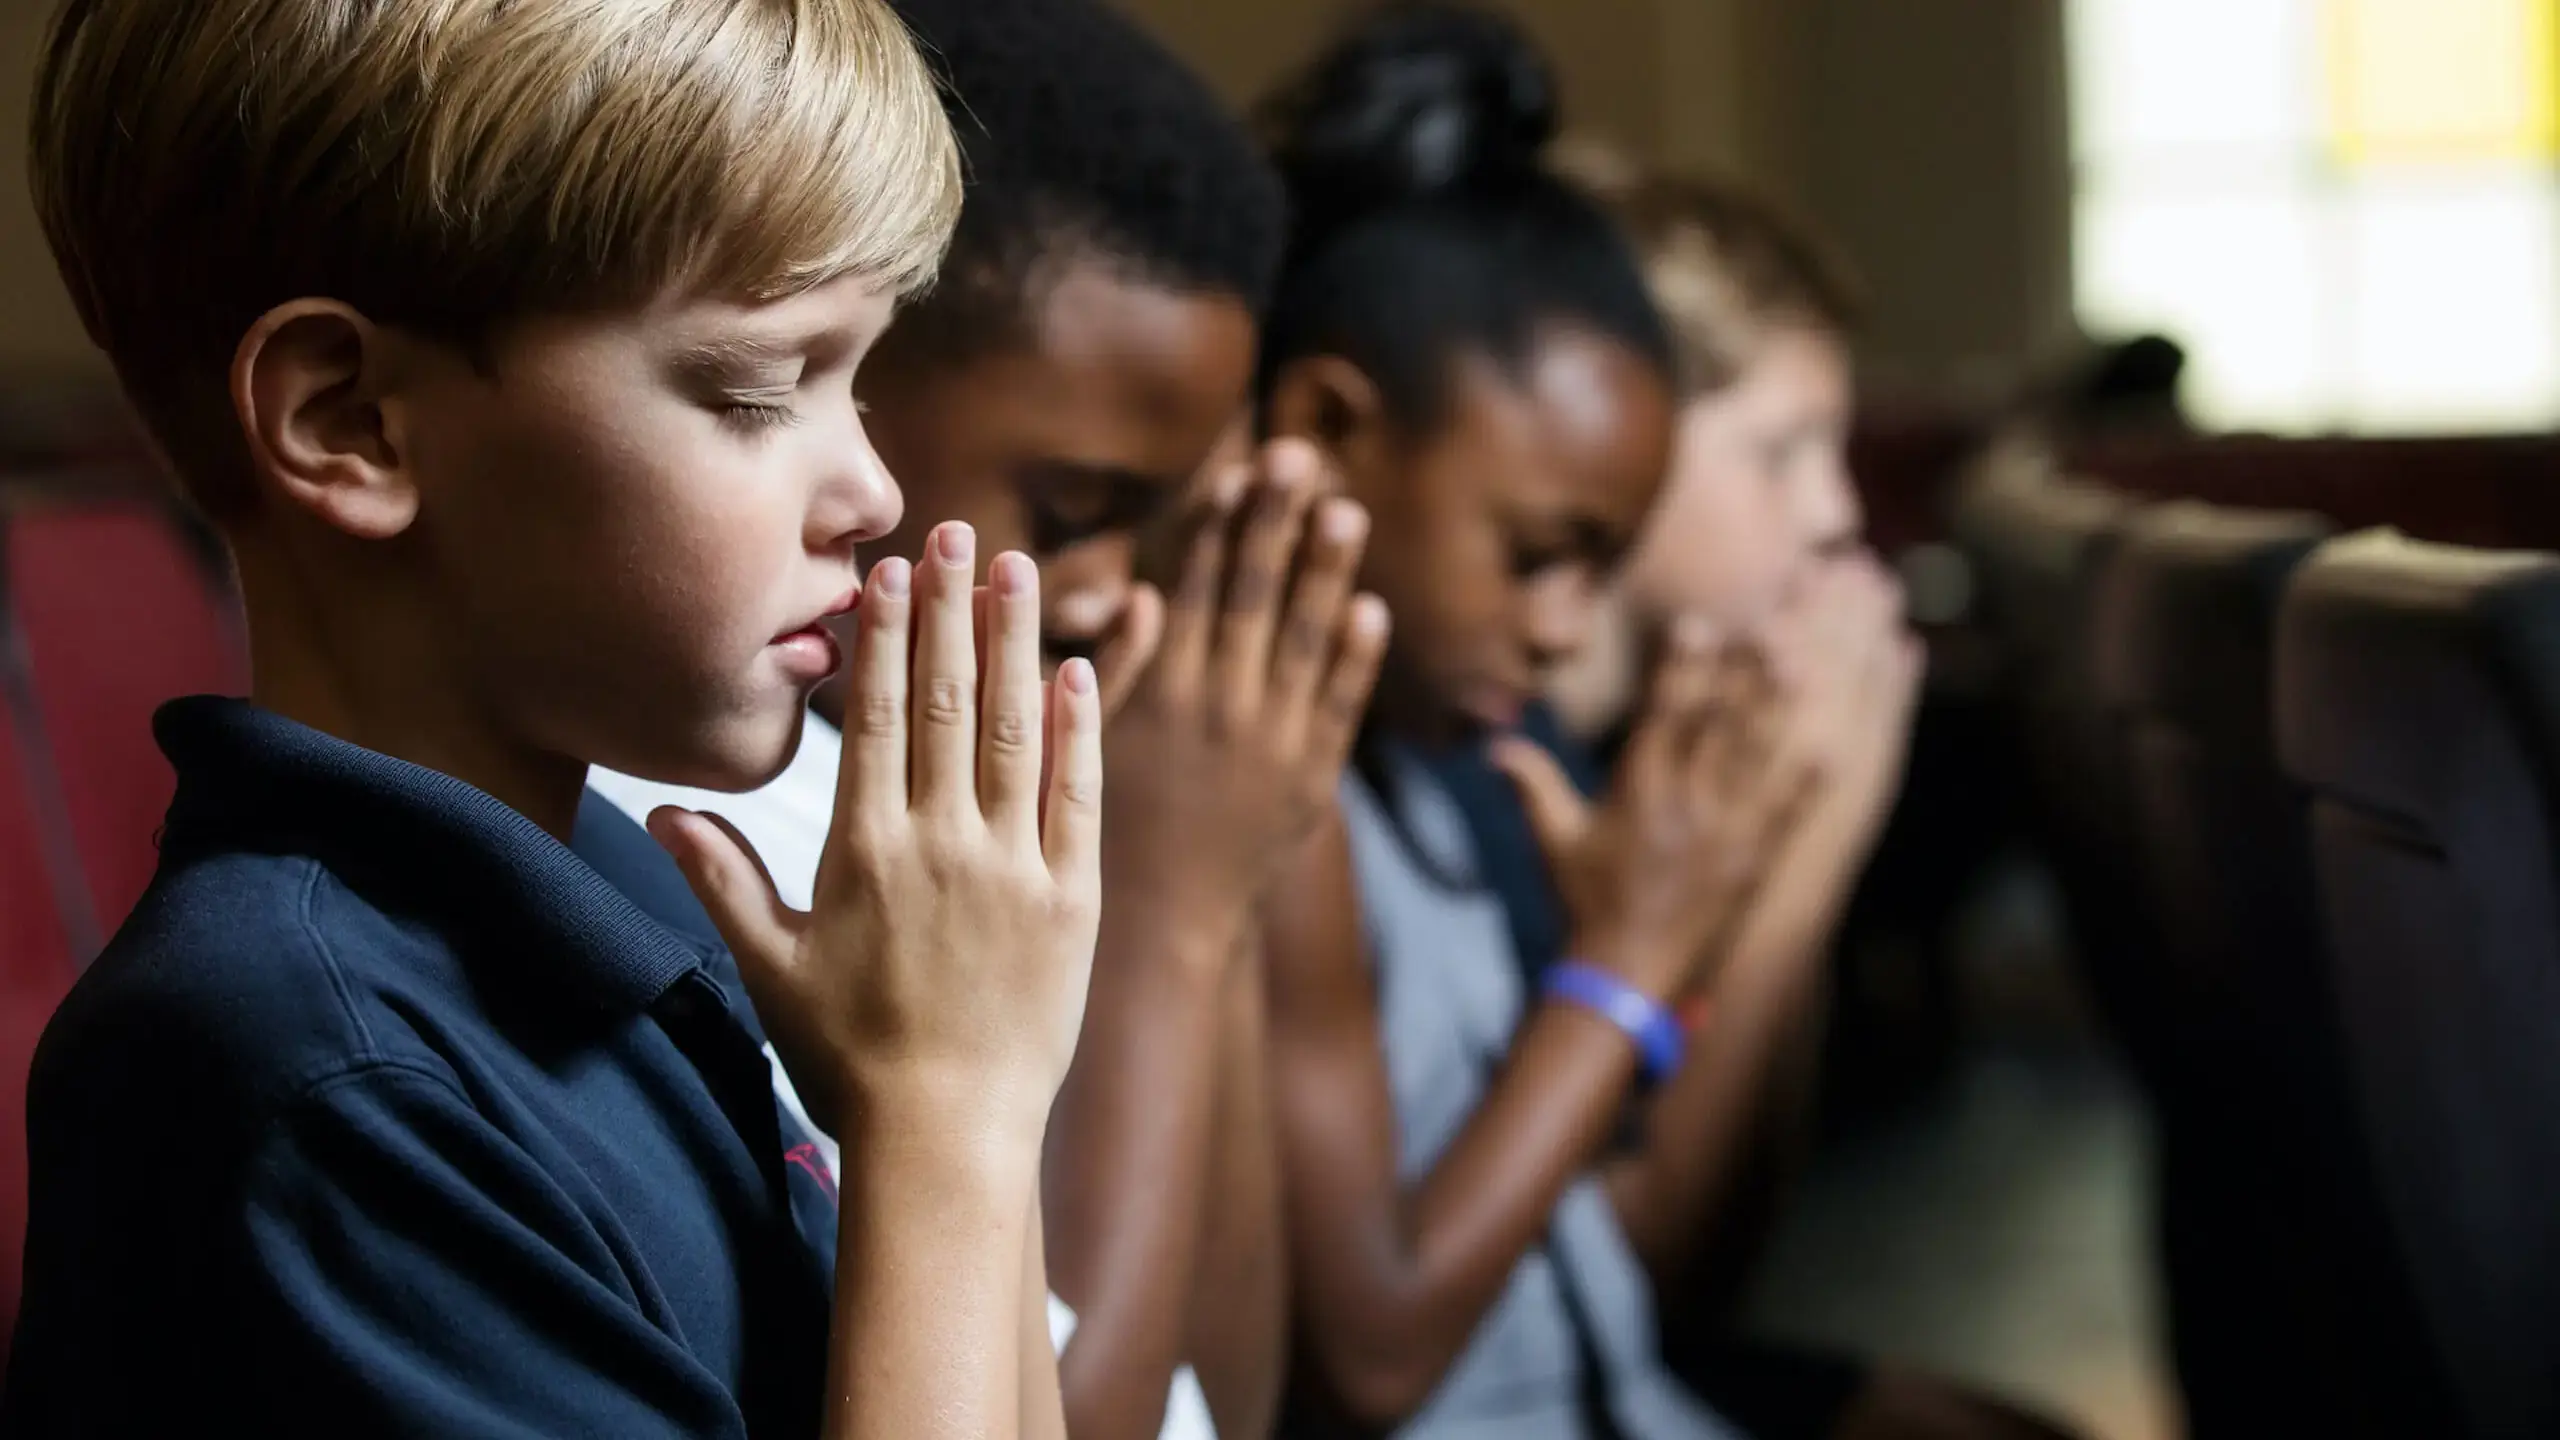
(753, 384)
(763, 409)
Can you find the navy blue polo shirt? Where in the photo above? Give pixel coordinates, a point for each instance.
(386, 1114)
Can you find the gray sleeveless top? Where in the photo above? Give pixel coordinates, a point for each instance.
(1450, 999)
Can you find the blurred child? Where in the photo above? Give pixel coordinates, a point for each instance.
(1757, 533)
(1760, 502)
(1473, 342)
(1470, 340)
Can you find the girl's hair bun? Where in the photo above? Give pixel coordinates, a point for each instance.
(1419, 100)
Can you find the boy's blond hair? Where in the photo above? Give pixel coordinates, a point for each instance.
(1726, 267)
(448, 166)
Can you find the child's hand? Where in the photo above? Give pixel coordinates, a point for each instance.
(1232, 740)
(941, 974)
(1655, 876)
(1841, 652)
(1129, 649)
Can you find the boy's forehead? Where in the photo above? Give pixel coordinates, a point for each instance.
(730, 328)
(695, 339)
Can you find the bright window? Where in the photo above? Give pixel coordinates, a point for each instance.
(2345, 210)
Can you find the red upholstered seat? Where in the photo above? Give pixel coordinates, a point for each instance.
(35, 969)
(120, 614)
(107, 611)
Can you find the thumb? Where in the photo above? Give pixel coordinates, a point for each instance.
(1558, 814)
(1131, 648)
(735, 889)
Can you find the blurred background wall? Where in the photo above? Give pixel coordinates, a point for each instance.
(37, 329)
(1928, 138)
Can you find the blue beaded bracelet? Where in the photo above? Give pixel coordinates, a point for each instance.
(1660, 1041)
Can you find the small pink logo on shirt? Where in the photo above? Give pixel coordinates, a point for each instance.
(806, 1157)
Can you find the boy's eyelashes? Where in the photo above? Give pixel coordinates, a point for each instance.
(757, 416)
(766, 410)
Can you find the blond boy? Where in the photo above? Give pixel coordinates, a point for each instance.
(511, 343)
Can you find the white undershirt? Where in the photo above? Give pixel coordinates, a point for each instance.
(787, 822)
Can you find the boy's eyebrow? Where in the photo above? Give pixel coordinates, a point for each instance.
(741, 352)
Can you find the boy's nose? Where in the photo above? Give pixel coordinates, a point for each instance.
(1832, 512)
(859, 503)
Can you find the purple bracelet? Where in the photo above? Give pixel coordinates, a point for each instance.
(1660, 1041)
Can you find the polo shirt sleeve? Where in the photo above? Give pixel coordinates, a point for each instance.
(424, 1276)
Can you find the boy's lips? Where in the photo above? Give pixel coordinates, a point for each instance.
(844, 605)
(811, 651)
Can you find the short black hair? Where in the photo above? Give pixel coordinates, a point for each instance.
(1084, 138)
(1427, 223)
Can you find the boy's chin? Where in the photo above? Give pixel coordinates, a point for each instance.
(745, 754)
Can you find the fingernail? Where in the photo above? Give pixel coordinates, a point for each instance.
(956, 543)
(1345, 521)
(1369, 617)
(895, 576)
(1077, 676)
(1014, 574)
(1290, 462)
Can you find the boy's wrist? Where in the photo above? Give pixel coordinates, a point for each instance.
(963, 1175)
(921, 1114)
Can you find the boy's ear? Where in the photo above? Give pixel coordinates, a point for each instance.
(307, 384)
(1328, 402)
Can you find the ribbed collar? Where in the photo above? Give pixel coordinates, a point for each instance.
(412, 841)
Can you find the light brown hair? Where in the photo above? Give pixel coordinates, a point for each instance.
(449, 166)
(1726, 266)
